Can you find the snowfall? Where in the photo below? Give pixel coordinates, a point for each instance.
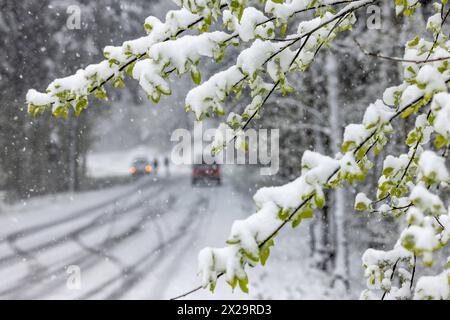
(141, 240)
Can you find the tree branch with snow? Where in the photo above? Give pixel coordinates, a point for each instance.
(408, 184)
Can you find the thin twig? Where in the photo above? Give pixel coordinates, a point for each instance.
(437, 36)
(308, 35)
(392, 277)
(413, 272)
(413, 156)
(309, 9)
(395, 59)
(439, 222)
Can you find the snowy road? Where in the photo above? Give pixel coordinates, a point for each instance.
(138, 241)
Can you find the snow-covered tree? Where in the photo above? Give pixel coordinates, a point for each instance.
(411, 184)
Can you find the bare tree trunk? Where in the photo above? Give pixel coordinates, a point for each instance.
(324, 253)
(327, 252)
(73, 154)
(341, 266)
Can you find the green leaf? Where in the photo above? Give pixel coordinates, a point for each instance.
(307, 213)
(243, 284)
(100, 93)
(80, 106)
(412, 138)
(148, 27)
(233, 283)
(297, 220)
(319, 200)
(440, 142)
(412, 71)
(361, 206)
(283, 214)
(241, 13)
(208, 19)
(156, 96)
(414, 42)
(408, 242)
(118, 83)
(129, 69)
(250, 256)
(265, 251)
(212, 286)
(407, 112)
(347, 146)
(388, 171)
(443, 67)
(196, 75)
(164, 90)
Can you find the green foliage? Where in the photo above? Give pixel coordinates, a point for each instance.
(243, 284)
(306, 212)
(284, 214)
(100, 93)
(264, 251)
(195, 75)
(81, 105)
(440, 142)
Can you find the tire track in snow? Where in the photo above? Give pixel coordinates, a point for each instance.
(25, 254)
(128, 270)
(91, 226)
(203, 219)
(85, 261)
(77, 214)
(154, 262)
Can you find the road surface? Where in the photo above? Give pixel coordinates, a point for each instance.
(138, 241)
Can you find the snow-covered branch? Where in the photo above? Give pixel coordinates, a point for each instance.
(156, 57)
(408, 182)
(250, 239)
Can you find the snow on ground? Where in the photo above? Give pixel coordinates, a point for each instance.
(141, 241)
(290, 272)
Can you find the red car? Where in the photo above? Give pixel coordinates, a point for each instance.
(206, 172)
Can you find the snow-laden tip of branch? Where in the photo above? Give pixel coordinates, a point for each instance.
(433, 287)
(68, 92)
(212, 93)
